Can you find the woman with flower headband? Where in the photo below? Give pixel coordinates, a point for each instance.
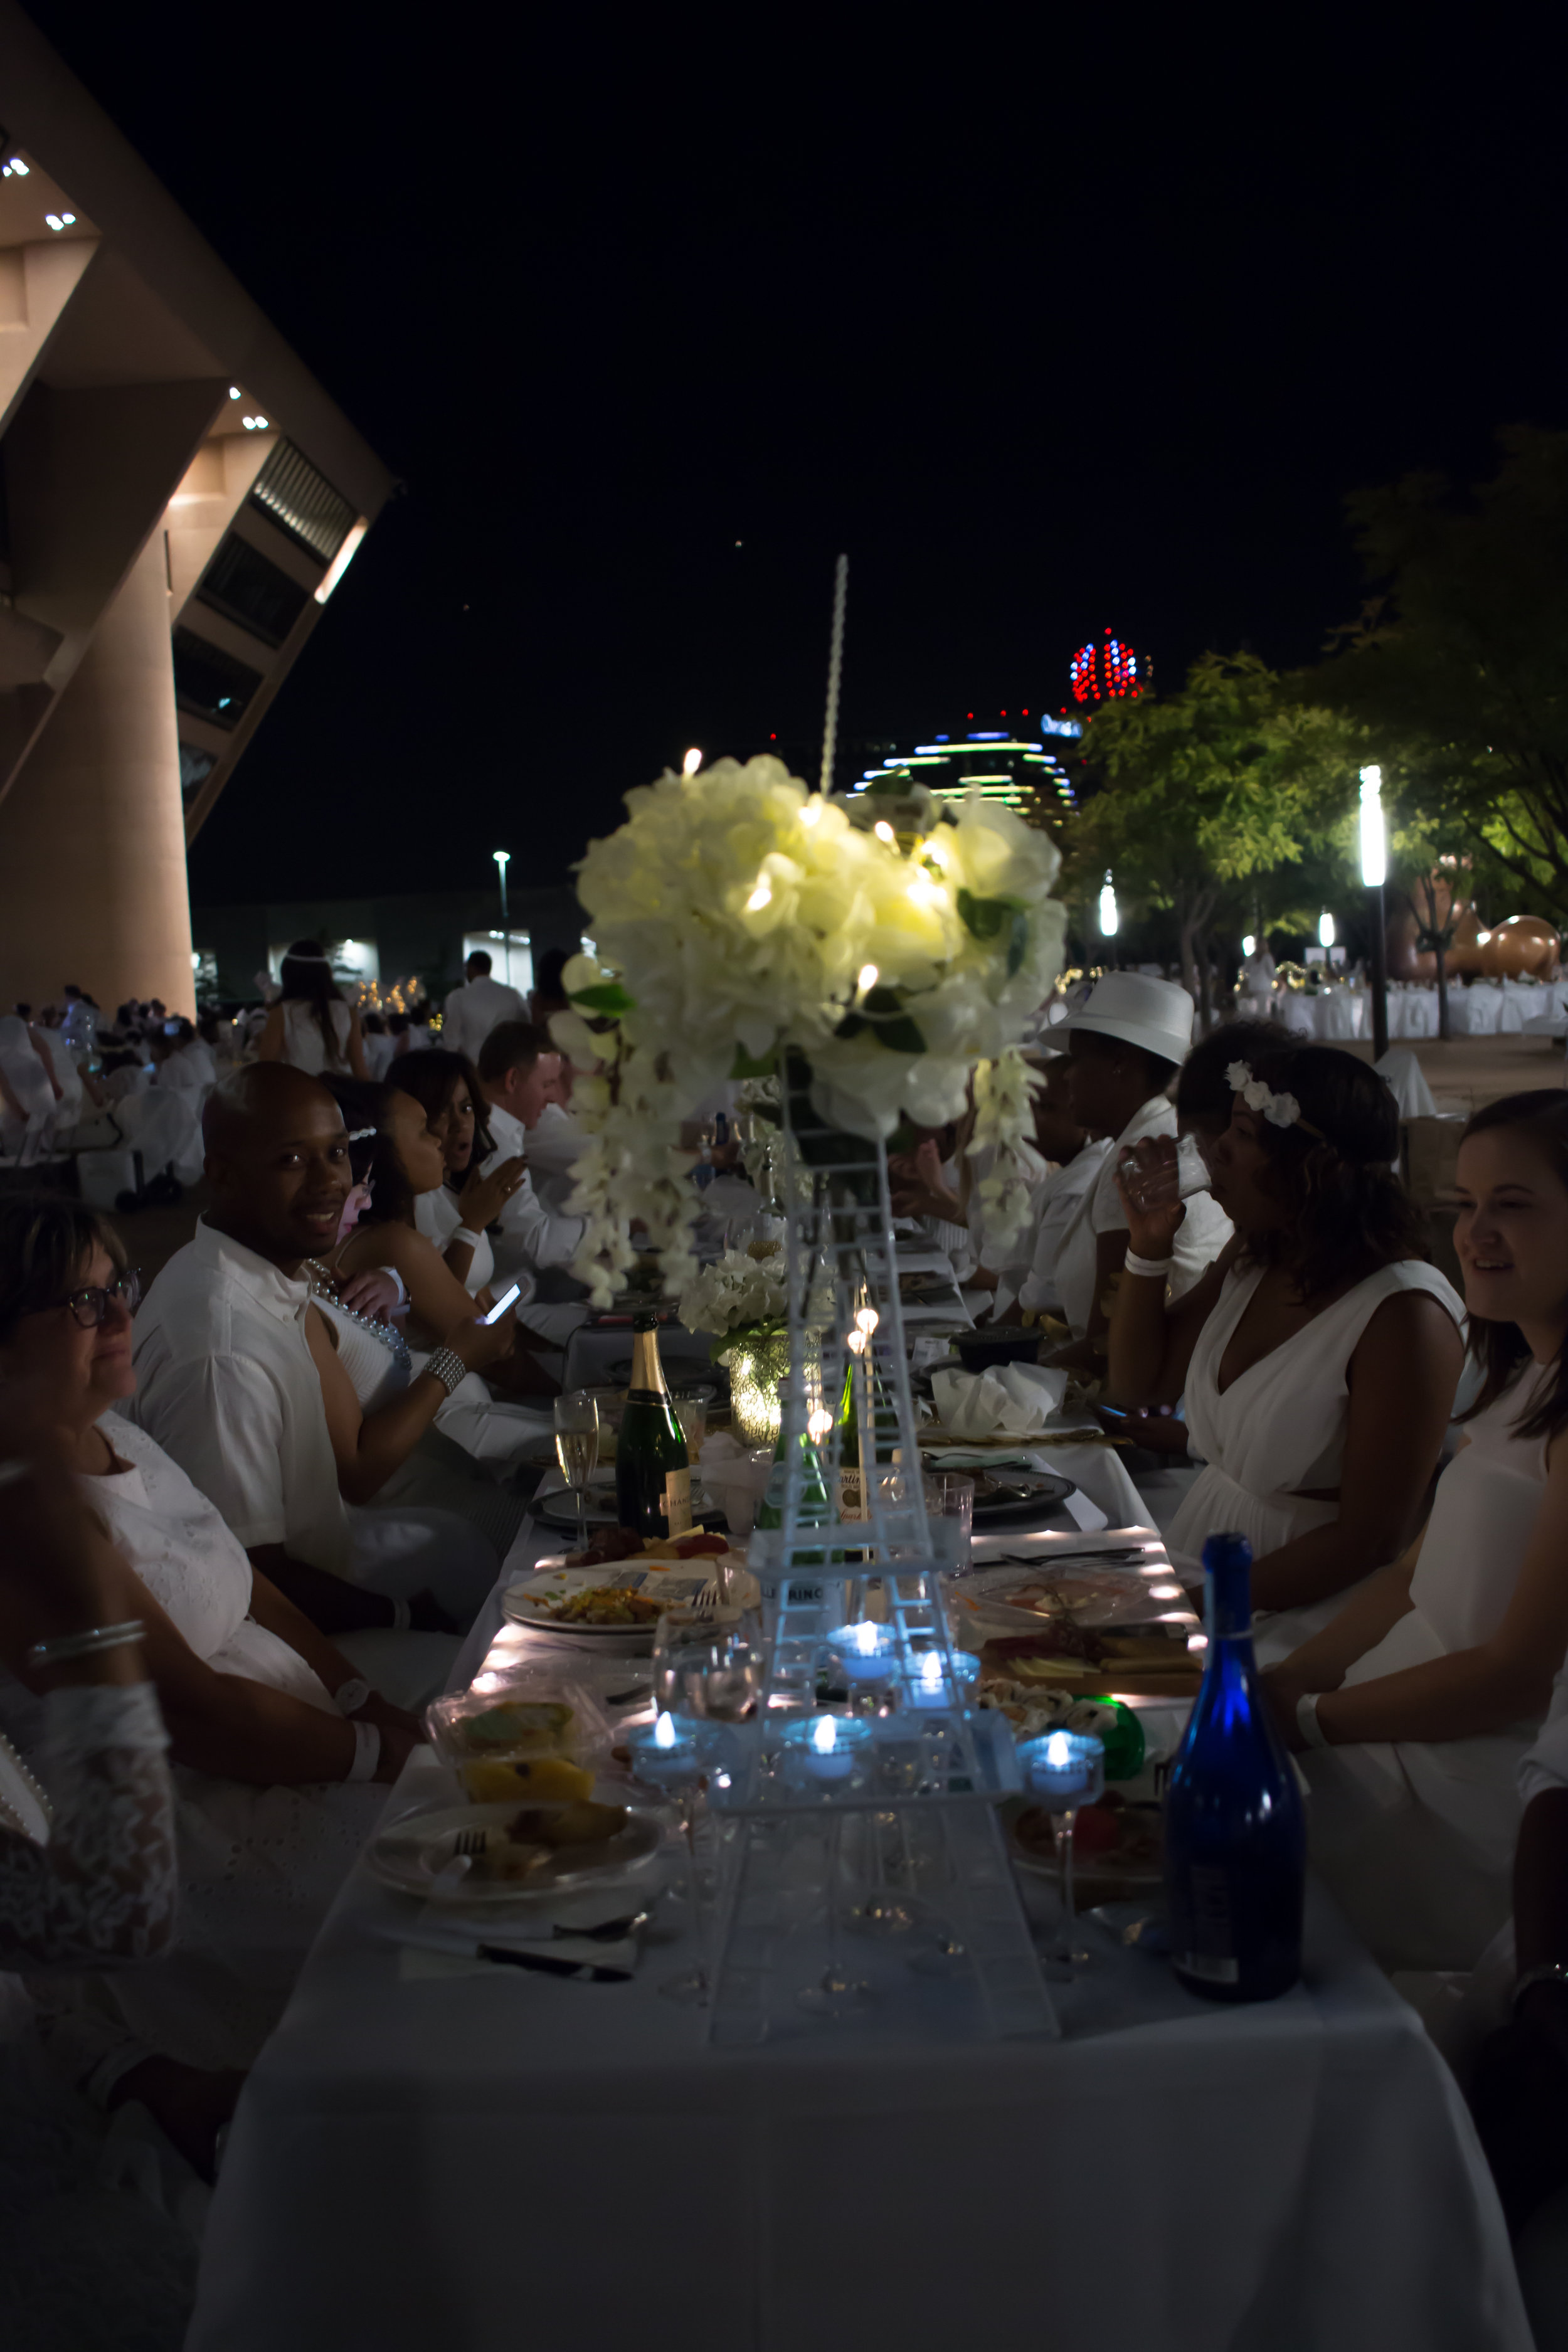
(1319, 1356)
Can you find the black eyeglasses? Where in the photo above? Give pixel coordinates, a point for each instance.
(90, 1306)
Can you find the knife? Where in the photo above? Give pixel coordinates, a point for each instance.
(548, 1965)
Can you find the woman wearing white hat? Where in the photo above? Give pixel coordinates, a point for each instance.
(1124, 1047)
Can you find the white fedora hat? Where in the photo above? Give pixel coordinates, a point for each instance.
(1152, 1014)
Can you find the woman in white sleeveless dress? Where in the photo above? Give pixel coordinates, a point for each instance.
(1414, 1709)
(258, 1701)
(311, 1026)
(455, 1221)
(1317, 1357)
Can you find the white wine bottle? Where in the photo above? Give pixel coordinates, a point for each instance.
(653, 1469)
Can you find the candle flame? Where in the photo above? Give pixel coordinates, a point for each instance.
(691, 762)
(811, 810)
(867, 1320)
(1058, 1750)
(855, 1341)
(664, 1730)
(824, 1735)
(760, 897)
(868, 978)
(865, 1636)
(818, 1424)
(931, 1671)
(883, 830)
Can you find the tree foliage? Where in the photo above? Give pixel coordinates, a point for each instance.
(1458, 668)
(1205, 800)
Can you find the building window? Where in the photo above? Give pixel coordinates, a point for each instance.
(210, 683)
(291, 493)
(512, 960)
(240, 584)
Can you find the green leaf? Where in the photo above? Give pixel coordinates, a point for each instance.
(986, 918)
(745, 1066)
(605, 996)
(1018, 945)
(882, 1010)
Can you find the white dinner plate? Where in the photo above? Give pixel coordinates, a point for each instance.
(413, 1854)
(527, 1602)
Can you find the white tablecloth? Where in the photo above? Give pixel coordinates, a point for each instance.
(1331, 1017)
(489, 2159)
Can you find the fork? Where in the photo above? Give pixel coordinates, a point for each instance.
(468, 1843)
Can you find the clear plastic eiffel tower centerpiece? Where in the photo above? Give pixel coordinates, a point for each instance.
(857, 1809)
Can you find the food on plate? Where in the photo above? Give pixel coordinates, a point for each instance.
(488, 1780)
(610, 1544)
(1073, 1658)
(507, 1858)
(581, 1823)
(520, 1725)
(1032, 1710)
(696, 1544)
(1110, 1835)
(600, 1605)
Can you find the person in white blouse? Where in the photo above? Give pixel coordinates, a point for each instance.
(228, 1385)
(1319, 1357)
(472, 1011)
(1124, 1044)
(312, 1026)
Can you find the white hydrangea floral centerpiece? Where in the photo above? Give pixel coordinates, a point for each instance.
(737, 914)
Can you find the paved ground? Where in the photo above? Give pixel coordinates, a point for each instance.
(1467, 1072)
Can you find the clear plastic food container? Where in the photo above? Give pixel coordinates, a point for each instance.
(530, 1736)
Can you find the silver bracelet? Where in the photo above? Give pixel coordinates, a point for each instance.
(449, 1368)
(1306, 1723)
(367, 1752)
(1156, 1268)
(67, 1646)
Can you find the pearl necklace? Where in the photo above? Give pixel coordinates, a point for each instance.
(325, 1282)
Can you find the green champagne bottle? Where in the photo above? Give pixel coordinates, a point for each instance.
(653, 1470)
(815, 1508)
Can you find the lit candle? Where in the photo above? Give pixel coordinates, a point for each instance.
(865, 1652)
(665, 1753)
(825, 1746)
(1064, 1769)
(929, 1683)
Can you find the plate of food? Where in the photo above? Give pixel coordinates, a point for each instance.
(476, 1857)
(1147, 1662)
(1001, 1496)
(621, 1600)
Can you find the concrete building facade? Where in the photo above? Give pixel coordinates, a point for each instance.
(178, 501)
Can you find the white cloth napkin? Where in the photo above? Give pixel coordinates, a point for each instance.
(1010, 1401)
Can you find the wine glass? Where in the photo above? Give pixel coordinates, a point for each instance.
(577, 1449)
(1064, 1771)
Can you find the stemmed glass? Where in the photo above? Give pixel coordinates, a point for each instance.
(1065, 1770)
(577, 1449)
(708, 1669)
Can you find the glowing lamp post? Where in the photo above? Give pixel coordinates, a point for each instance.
(1110, 918)
(503, 859)
(1373, 874)
(1326, 928)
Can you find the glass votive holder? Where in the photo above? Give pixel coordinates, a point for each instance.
(866, 1652)
(691, 1411)
(1063, 1770)
(825, 1749)
(950, 1513)
(928, 1681)
(665, 1753)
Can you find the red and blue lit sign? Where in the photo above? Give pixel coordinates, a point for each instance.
(1106, 672)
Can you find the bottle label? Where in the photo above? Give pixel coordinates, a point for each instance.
(676, 1501)
(850, 1503)
(1212, 1958)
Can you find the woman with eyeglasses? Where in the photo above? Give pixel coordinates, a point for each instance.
(265, 1716)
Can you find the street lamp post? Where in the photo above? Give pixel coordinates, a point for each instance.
(1374, 873)
(503, 859)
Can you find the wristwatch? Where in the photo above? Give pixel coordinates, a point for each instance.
(1546, 1973)
(350, 1696)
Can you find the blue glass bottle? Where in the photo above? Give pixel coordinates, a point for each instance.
(1236, 1836)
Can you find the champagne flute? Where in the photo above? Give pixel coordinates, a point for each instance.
(577, 1449)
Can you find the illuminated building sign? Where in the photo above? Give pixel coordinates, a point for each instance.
(1105, 673)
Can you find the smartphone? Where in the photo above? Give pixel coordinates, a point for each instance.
(508, 1298)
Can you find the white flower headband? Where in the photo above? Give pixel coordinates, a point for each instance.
(1279, 1110)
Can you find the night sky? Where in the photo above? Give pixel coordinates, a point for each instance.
(1050, 339)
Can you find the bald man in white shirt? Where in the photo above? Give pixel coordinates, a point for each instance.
(471, 1012)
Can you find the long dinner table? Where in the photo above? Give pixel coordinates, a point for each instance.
(434, 2150)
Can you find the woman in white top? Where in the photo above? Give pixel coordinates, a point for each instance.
(1414, 1709)
(456, 1219)
(311, 1026)
(29, 1095)
(1319, 1357)
(258, 1702)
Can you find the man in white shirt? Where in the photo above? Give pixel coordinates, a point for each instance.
(1124, 1047)
(521, 1074)
(1079, 1159)
(472, 1011)
(227, 1385)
